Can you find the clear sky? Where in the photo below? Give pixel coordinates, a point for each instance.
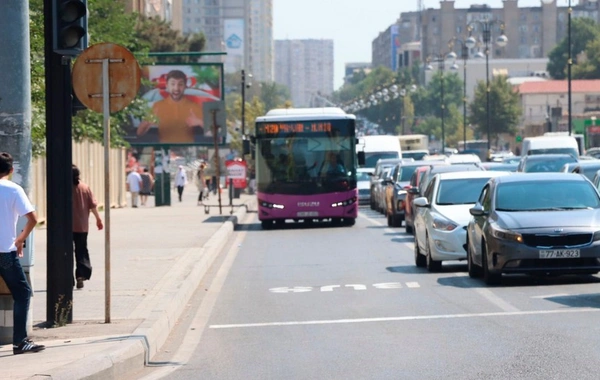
(352, 24)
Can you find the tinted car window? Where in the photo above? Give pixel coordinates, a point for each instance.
(460, 191)
(546, 195)
(362, 176)
(429, 191)
(406, 173)
(550, 165)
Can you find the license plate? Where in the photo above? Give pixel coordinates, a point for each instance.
(308, 213)
(559, 253)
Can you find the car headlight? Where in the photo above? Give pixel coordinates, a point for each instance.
(443, 224)
(502, 234)
(596, 236)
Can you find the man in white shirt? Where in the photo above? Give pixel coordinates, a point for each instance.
(14, 203)
(180, 181)
(134, 183)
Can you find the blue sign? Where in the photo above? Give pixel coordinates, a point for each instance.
(234, 42)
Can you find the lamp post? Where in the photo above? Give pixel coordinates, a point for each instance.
(464, 55)
(441, 60)
(244, 86)
(486, 26)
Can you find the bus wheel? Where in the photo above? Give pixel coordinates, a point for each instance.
(349, 222)
(266, 224)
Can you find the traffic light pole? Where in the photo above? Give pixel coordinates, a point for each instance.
(59, 252)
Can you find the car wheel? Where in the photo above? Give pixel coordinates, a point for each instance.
(474, 269)
(390, 221)
(372, 204)
(396, 221)
(432, 265)
(488, 277)
(409, 229)
(420, 259)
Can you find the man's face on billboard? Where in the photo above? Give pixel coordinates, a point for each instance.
(176, 87)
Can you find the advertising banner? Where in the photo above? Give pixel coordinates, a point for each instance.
(234, 44)
(236, 170)
(176, 97)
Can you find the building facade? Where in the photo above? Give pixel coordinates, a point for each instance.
(532, 32)
(168, 10)
(306, 68)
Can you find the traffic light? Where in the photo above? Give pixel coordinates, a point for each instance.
(69, 26)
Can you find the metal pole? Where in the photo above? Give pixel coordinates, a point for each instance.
(217, 158)
(443, 107)
(569, 64)
(243, 103)
(486, 38)
(465, 54)
(106, 128)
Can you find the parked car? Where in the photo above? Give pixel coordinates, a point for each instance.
(587, 168)
(442, 215)
(363, 182)
(534, 223)
(545, 163)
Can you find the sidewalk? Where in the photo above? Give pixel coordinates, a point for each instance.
(158, 257)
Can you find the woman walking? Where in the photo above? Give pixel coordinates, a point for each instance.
(201, 182)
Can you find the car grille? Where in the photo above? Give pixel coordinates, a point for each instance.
(570, 240)
(363, 191)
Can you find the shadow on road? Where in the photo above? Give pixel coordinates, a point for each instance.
(577, 300)
(511, 281)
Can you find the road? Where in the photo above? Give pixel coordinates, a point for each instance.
(348, 303)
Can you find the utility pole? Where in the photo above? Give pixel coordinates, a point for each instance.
(15, 114)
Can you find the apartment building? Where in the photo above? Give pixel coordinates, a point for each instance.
(532, 32)
(169, 10)
(306, 68)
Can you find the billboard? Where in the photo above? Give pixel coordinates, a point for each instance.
(234, 44)
(395, 46)
(176, 95)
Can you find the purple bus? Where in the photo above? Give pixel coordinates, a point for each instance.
(306, 166)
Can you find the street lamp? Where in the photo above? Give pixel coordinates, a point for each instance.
(464, 54)
(501, 41)
(244, 86)
(441, 60)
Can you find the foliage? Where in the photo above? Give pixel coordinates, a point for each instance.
(432, 126)
(160, 37)
(428, 99)
(583, 32)
(505, 109)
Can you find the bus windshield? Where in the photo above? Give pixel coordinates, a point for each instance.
(302, 166)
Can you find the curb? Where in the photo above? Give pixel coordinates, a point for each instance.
(152, 333)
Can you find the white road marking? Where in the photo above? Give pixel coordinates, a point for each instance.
(406, 318)
(552, 295)
(357, 286)
(193, 336)
(413, 285)
(388, 285)
(492, 298)
(329, 288)
(295, 289)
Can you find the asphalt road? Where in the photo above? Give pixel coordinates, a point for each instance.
(348, 303)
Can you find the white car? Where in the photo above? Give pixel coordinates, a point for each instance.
(442, 214)
(363, 183)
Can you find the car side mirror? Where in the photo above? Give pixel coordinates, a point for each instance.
(413, 190)
(477, 211)
(361, 158)
(421, 202)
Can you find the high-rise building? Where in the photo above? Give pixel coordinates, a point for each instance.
(169, 10)
(242, 28)
(532, 32)
(306, 68)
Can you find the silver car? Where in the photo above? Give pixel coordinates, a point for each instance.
(545, 223)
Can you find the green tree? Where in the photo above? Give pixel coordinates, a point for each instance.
(583, 31)
(428, 99)
(432, 126)
(505, 109)
(273, 95)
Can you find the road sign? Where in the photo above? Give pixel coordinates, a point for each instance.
(124, 76)
(519, 138)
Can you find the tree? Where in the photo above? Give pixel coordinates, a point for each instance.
(432, 126)
(505, 110)
(583, 31)
(273, 95)
(158, 35)
(428, 99)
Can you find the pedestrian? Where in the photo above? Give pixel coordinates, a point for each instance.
(14, 203)
(147, 186)
(83, 203)
(201, 181)
(134, 185)
(180, 181)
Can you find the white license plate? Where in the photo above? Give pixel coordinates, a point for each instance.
(559, 253)
(308, 213)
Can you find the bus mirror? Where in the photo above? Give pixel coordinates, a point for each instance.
(246, 146)
(361, 158)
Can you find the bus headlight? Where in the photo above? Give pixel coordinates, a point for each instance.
(271, 205)
(347, 202)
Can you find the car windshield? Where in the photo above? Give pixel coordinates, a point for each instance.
(363, 176)
(406, 172)
(460, 191)
(546, 196)
(549, 165)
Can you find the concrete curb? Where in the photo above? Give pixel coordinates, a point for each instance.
(173, 295)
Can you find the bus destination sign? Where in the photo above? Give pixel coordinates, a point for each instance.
(273, 129)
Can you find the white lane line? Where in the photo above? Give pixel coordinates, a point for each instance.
(413, 285)
(493, 298)
(552, 295)
(406, 318)
(193, 336)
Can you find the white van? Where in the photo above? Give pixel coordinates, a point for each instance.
(550, 144)
(379, 147)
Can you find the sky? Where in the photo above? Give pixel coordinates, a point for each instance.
(352, 24)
